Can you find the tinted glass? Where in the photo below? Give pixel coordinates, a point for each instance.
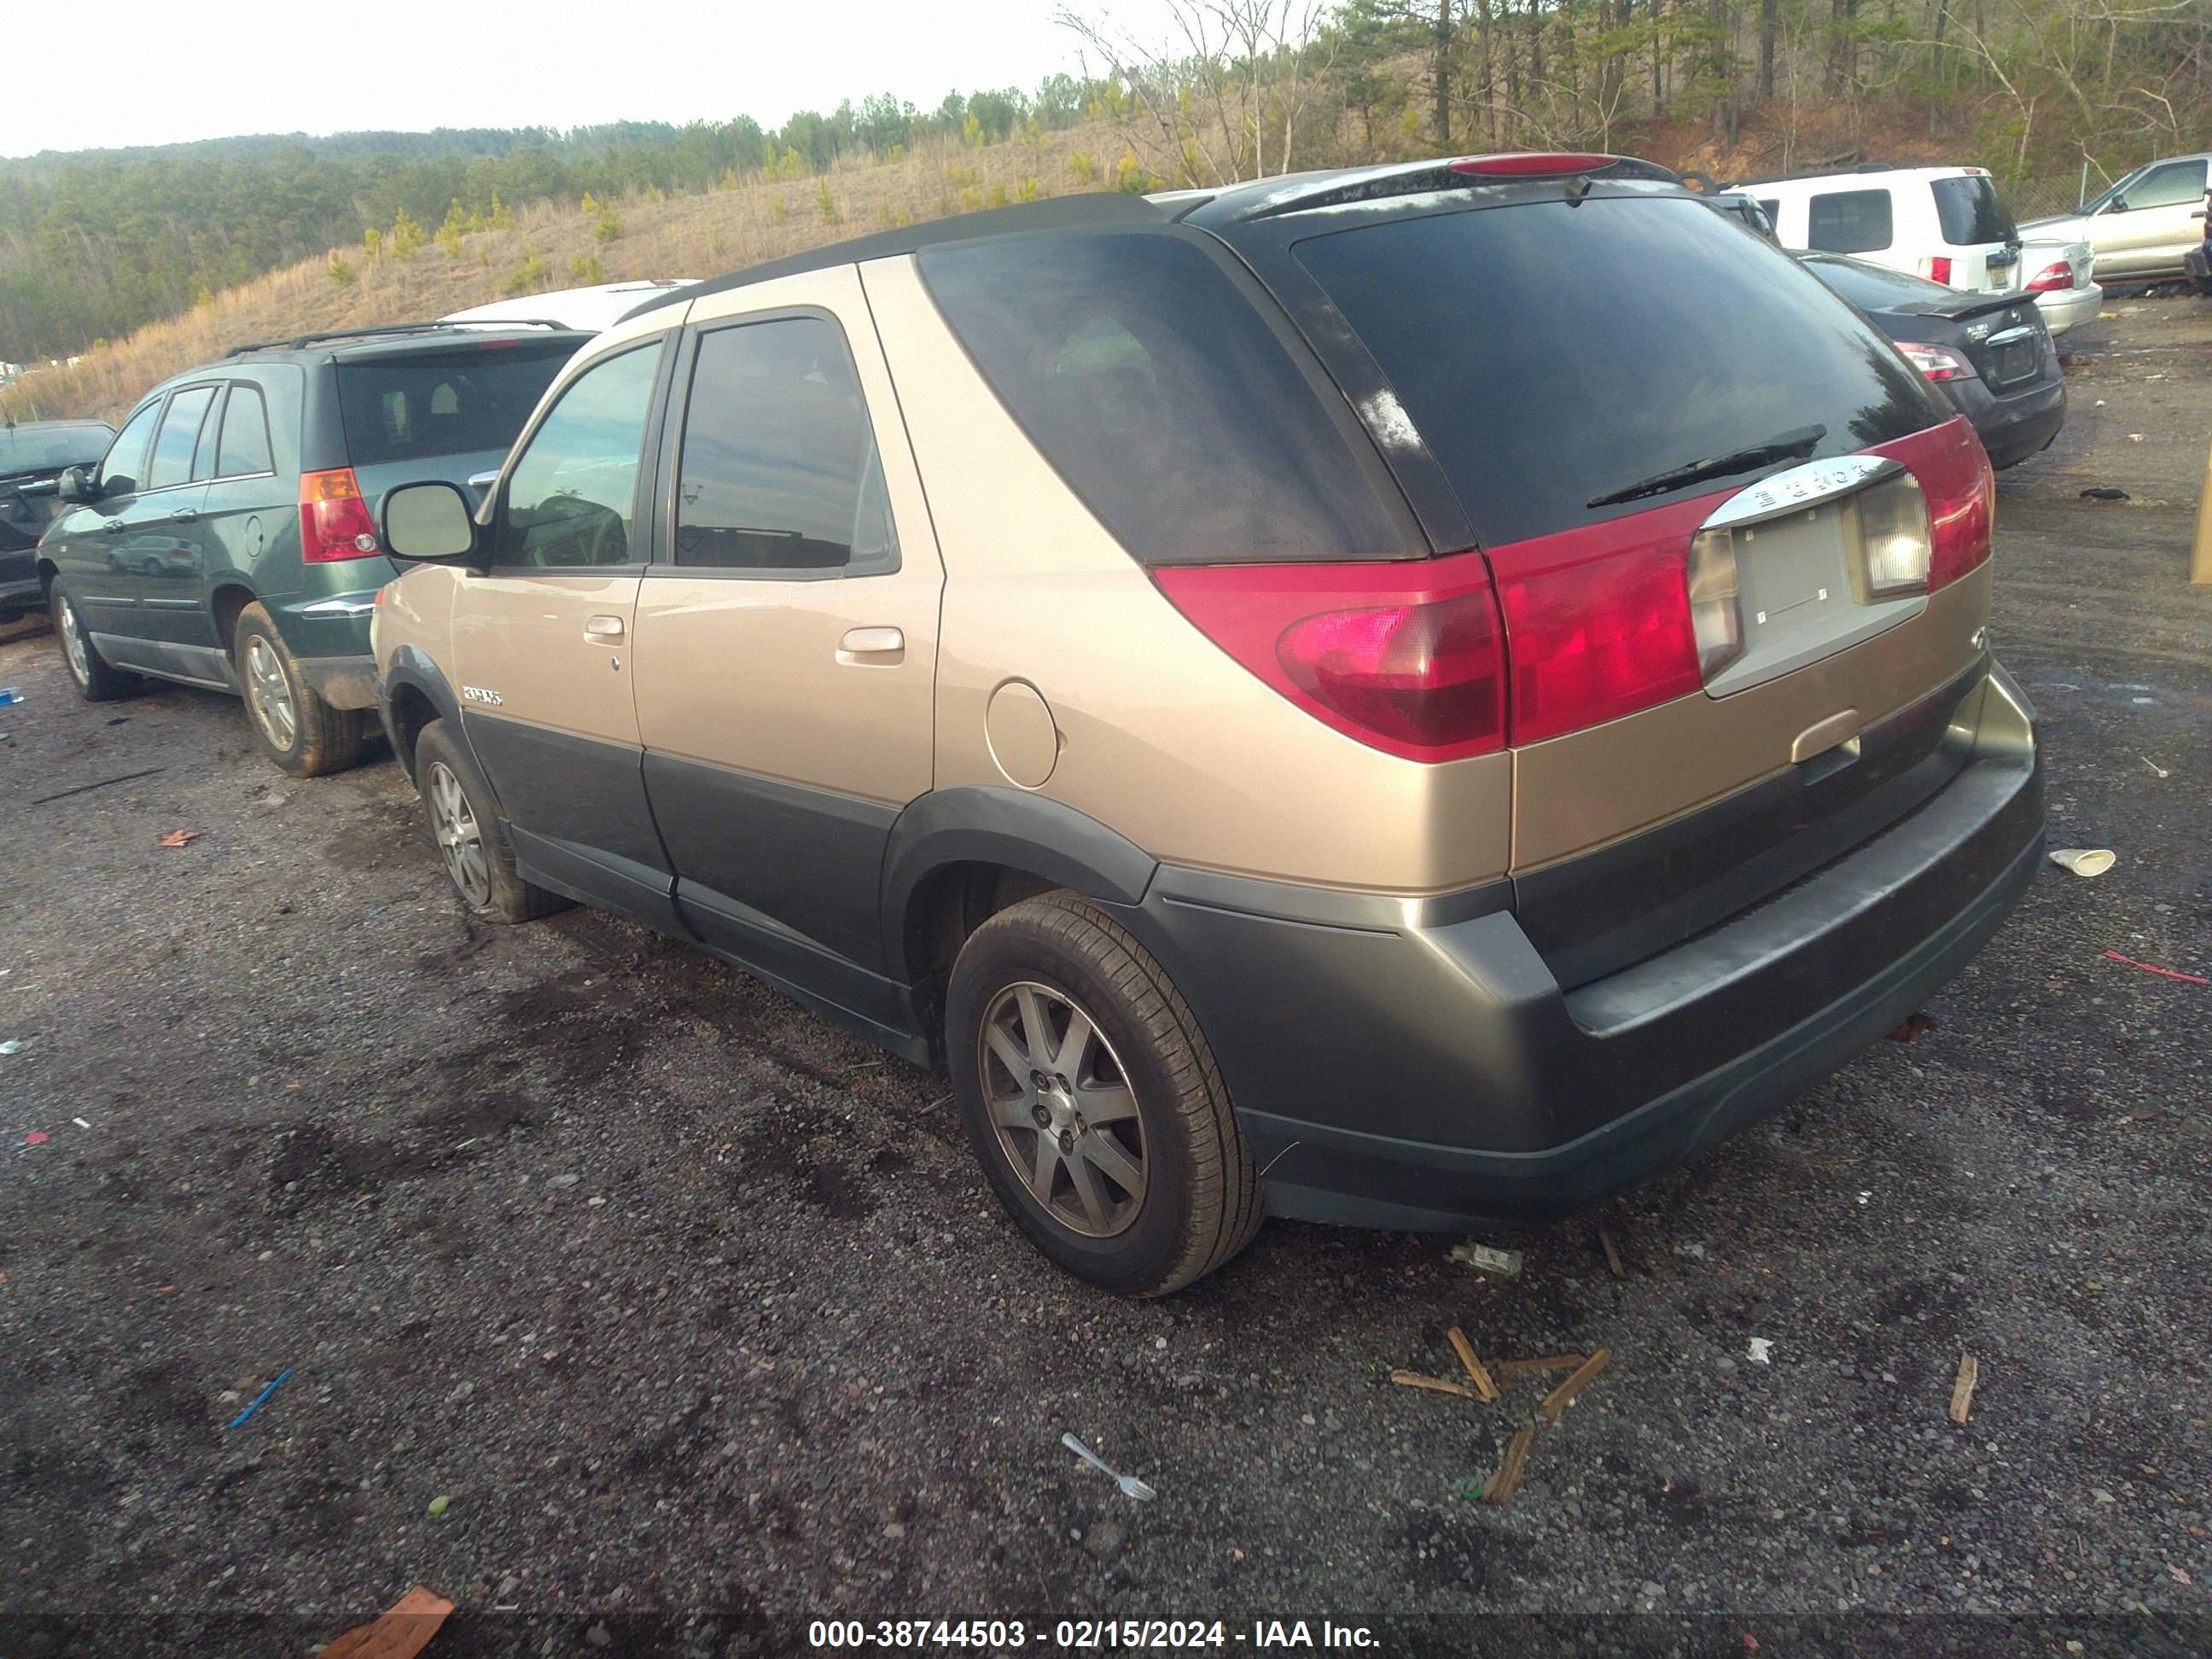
(179, 436)
(244, 445)
(780, 470)
(413, 408)
(125, 462)
(1848, 222)
(1970, 212)
(1877, 288)
(49, 449)
(572, 497)
(2170, 185)
(1551, 354)
(1165, 398)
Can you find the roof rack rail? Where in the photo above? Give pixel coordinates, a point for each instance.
(301, 342)
(1834, 172)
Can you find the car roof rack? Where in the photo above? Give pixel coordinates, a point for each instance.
(301, 342)
(1809, 172)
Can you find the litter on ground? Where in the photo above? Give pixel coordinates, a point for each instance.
(1434, 1385)
(401, 1631)
(1504, 1263)
(1484, 1387)
(261, 1399)
(1564, 1396)
(1762, 1350)
(1962, 1391)
(2084, 860)
(180, 837)
(1498, 1489)
(2152, 968)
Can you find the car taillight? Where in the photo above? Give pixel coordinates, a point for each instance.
(1598, 621)
(2052, 278)
(1936, 362)
(1406, 658)
(1937, 269)
(1954, 475)
(334, 520)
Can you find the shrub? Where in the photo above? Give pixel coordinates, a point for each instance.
(529, 274)
(826, 204)
(1084, 166)
(407, 238)
(341, 273)
(372, 240)
(608, 228)
(585, 268)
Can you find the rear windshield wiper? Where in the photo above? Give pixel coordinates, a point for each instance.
(1784, 447)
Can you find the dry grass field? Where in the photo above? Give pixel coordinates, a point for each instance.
(555, 245)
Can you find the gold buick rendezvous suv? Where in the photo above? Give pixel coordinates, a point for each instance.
(1415, 697)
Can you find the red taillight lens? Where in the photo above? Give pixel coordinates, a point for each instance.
(1938, 269)
(1598, 621)
(1955, 473)
(1528, 164)
(334, 521)
(1406, 658)
(1936, 362)
(2053, 279)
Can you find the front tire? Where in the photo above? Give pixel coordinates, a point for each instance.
(298, 731)
(472, 844)
(95, 681)
(1093, 1101)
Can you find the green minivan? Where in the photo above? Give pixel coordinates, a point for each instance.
(227, 538)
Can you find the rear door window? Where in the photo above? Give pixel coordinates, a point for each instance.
(2169, 185)
(1970, 212)
(1168, 400)
(244, 445)
(172, 463)
(1677, 340)
(1848, 222)
(124, 464)
(417, 406)
(780, 470)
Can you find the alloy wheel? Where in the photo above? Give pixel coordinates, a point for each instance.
(73, 645)
(270, 694)
(1064, 1110)
(460, 841)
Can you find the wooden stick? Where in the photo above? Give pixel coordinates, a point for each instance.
(1559, 1399)
(1499, 1487)
(1962, 1391)
(1434, 1384)
(1506, 1370)
(1612, 1256)
(399, 1633)
(1483, 1386)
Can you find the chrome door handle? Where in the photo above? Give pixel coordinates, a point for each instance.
(603, 628)
(870, 642)
(185, 515)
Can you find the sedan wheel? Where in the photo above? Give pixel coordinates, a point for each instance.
(460, 840)
(80, 664)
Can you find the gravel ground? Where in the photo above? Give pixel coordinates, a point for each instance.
(692, 1316)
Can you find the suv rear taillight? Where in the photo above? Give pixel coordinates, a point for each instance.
(1937, 269)
(1962, 507)
(2053, 279)
(1406, 658)
(334, 521)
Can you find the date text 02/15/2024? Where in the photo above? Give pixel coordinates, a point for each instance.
(1083, 1635)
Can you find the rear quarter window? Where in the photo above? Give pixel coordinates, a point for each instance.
(418, 406)
(1970, 212)
(1848, 222)
(1150, 379)
(1550, 354)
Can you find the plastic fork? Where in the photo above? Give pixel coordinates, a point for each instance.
(1130, 1485)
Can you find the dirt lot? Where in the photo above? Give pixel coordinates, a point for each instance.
(694, 1315)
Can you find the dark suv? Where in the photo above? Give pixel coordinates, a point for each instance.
(228, 537)
(32, 454)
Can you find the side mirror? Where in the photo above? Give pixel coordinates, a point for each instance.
(2118, 205)
(75, 485)
(428, 521)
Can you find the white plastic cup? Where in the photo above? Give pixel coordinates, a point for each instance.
(2083, 860)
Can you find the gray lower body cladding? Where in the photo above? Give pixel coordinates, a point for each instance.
(1425, 1069)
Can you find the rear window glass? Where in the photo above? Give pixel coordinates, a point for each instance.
(1848, 222)
(1877, 288)
(33, 449)
(1166, 400)
(405, 409)
(1971, 212)
(1550, 354)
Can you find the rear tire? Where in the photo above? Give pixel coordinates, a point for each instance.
(95, 681)
(298, 731)
(472, 843)
(1112, 1143)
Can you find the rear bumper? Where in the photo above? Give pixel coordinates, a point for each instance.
(1431, 1074)
(2015, 427)
(2063, 308)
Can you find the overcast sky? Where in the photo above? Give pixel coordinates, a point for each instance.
(132, 72)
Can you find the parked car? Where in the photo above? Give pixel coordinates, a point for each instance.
(1302, 709)
(1991, 356)
(2144, 228)
(226, 538)
(1947, 224)
(33, 456)
(2057, 274)
(601, 306)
